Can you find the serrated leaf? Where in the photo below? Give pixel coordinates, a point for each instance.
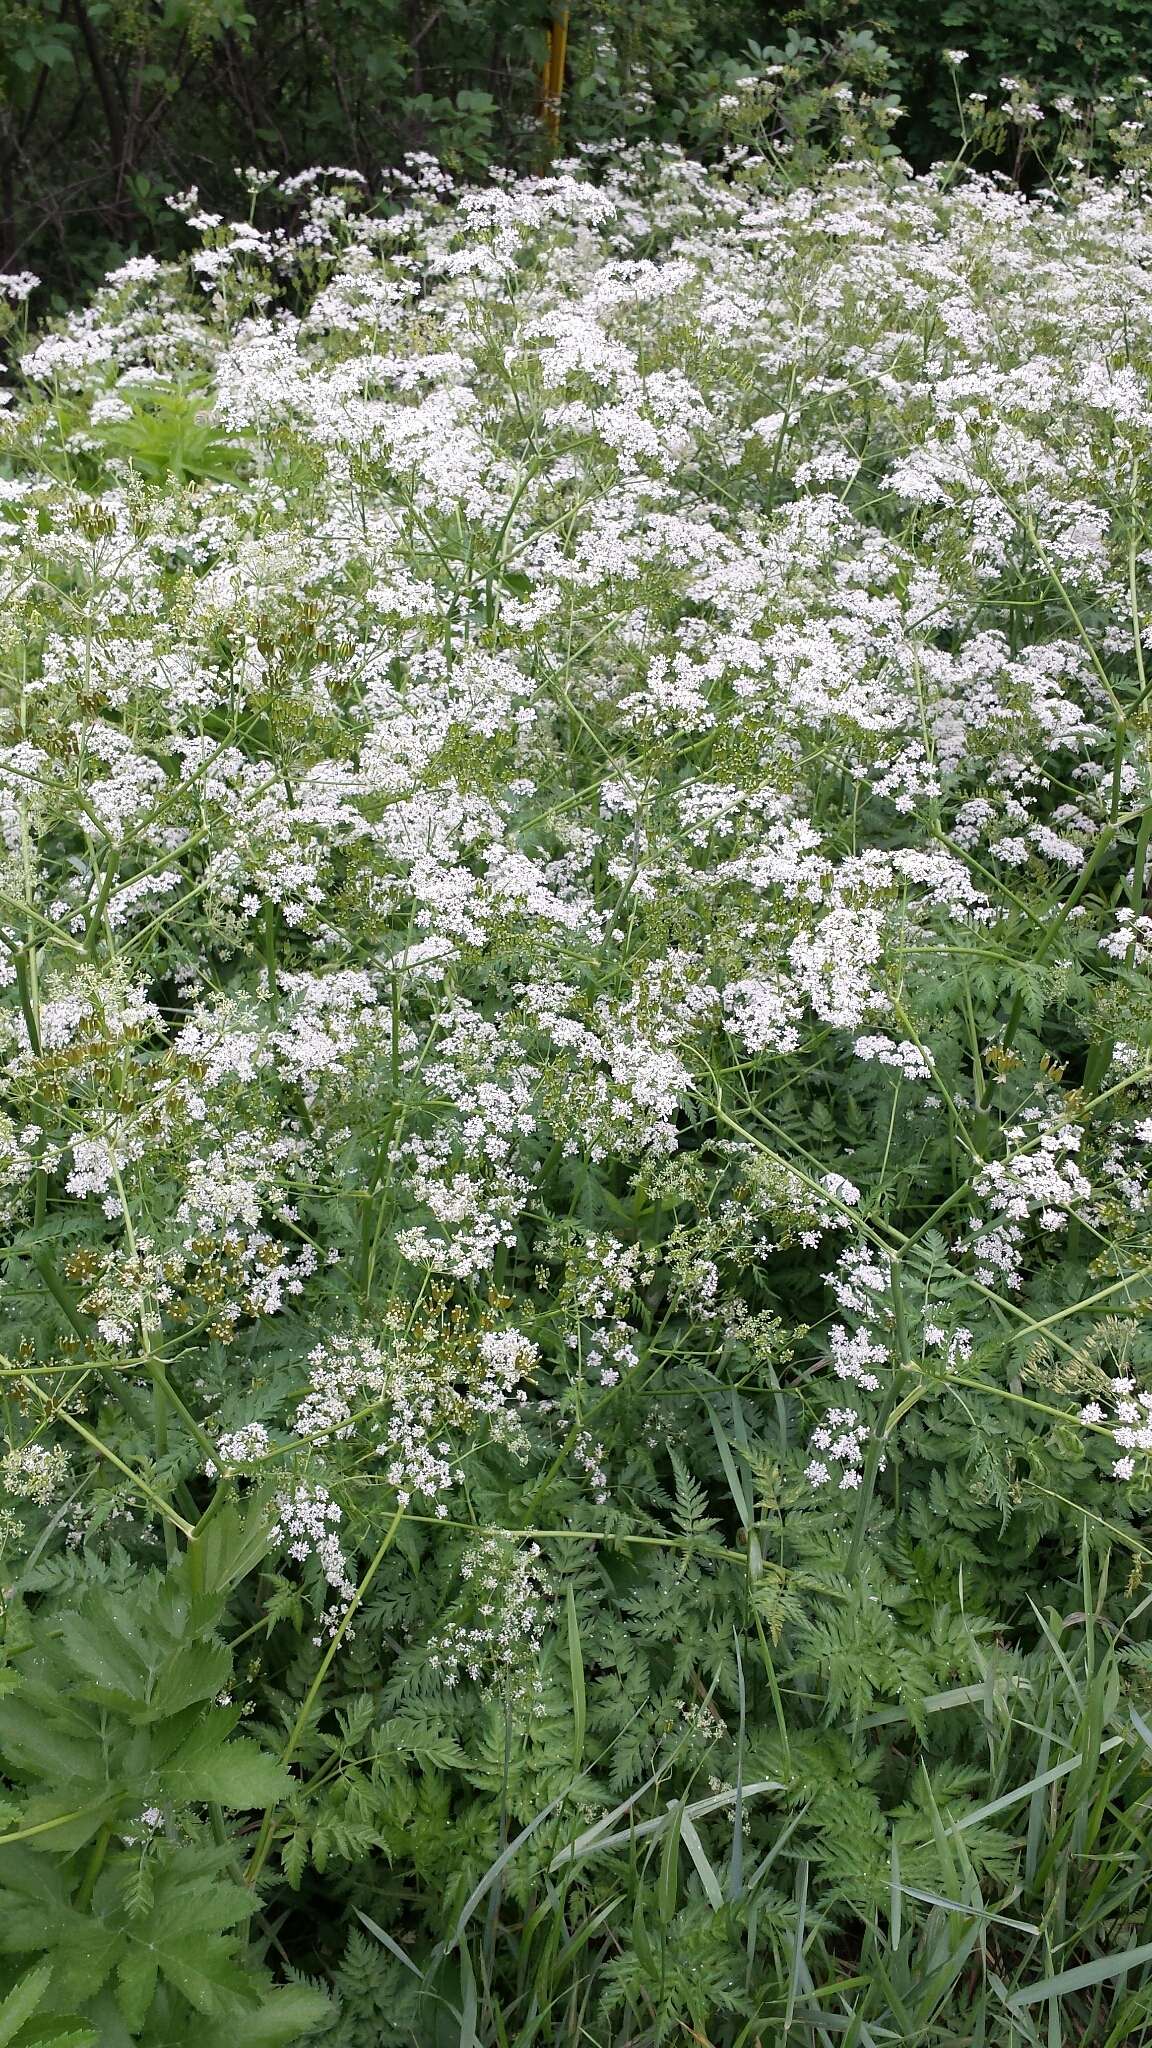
(57, 2030)
(22, 2001)
(101, 1656)
(137, 1890)
(283, 2016)
(236, 1772)
(51, 1827)
(31, 1741)
(83, 1950)
(203, 1971)
(136, 1985)
(198, 1671)
(207, 1905)
(294, 1857)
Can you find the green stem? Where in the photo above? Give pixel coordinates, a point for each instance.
(142, 1485)
(264, 1841)
(92, 1869)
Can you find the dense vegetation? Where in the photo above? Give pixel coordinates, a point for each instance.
(577, 1060)
(108, 107)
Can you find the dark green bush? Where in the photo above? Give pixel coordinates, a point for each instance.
(1084, 48)
(109, 106)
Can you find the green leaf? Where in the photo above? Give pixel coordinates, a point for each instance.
(64, 2030)
(99, 1652)
(387, 1941)
(136, 1985)
(1084, 1976)
(668, 1883)
(236, 1772)
(284, 2016)
(204, 1972)
(696, 1850)
(31, 1741)
(576, 1666)
(198, 1671)
(232, 1545)
(84, 1949)
(22, 2001)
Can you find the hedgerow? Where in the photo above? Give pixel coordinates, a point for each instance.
(577, 1057)
(109, 107)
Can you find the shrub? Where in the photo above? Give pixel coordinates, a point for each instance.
(108, 110)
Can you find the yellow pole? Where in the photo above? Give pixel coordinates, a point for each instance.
(554, 73)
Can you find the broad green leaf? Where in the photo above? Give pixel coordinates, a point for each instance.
(136, 1985)
(284, 2016)
(204, 1971)
(198, 1671)
(22, 2001)
(232, 1544)
(83, 1950)
(237, 1772)
(99, 1653)
(30, 1741)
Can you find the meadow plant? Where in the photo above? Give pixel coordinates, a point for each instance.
(577, 1119)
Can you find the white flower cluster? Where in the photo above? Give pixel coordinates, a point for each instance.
(1039, 1179)
(839, 1448)
(496, 1637)
(244, 1446)
(307, 1519)
(907, 1059)
(35, 1472)
(1130, 1423)
(540, 842)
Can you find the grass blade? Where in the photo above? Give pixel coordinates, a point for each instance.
(1084, 1976)
(696, 1850)
(579, 1697)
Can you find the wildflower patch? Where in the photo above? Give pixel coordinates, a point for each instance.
(577, 1099)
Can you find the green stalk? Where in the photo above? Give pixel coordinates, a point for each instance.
(92, 1869)
(264, 1840)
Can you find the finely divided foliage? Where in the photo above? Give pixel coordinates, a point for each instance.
(577, 1119)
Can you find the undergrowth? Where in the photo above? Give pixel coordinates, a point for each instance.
(577, 1055)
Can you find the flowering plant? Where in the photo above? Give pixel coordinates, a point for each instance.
(575, 806)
